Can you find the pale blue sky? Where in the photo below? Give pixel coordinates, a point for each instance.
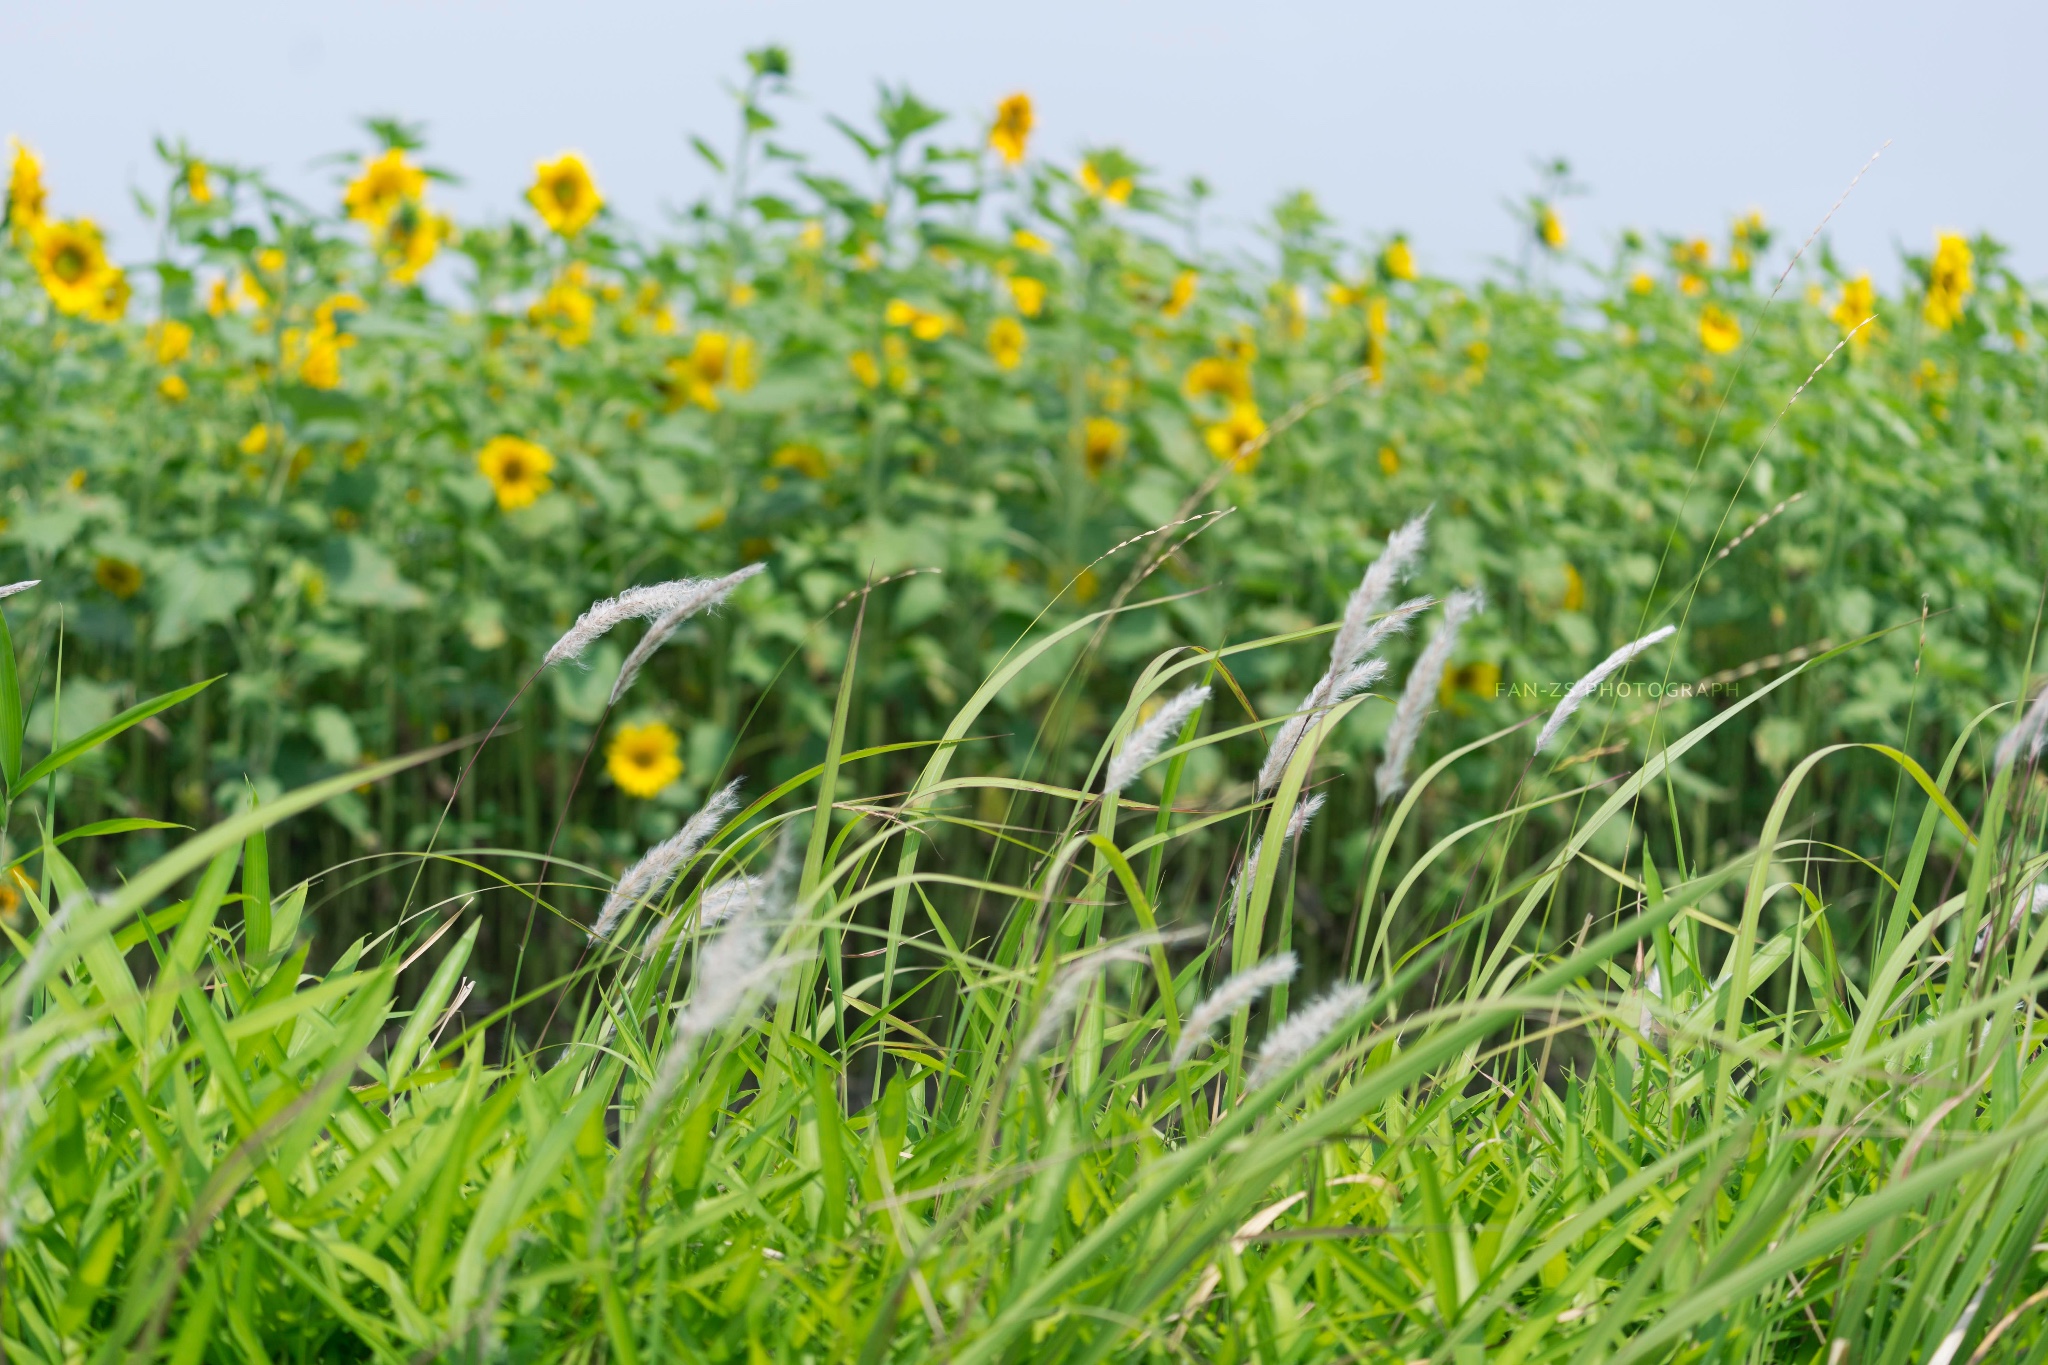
(1419, 116)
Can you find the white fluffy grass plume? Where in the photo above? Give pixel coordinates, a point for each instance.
(650, 602)
(1420, 690)
(1228, 998)
(650, 876)
(1588, 685)
(1296, 1038)
(1143, 744)
(707, 594)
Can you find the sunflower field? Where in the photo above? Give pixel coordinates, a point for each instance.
(1008, 1008)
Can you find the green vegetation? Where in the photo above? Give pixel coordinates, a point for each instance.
(1706, 1034)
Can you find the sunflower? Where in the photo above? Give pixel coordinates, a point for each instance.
(198, 182)
(567, 310)
(715, 359)
(173, 388)
(387, 182)
(25, 193)
(643, 759)
(168, 341)
(1116, 191)
(862, 363)
(1006, 342)
(1858, 304)
(112, 303)
(73, 265)
(411, 240)
(1102, 440)
(1719, 332)
(924, 324)
(1948, 282)
(806, 460)
(1012, 130)
(1550, 228)
(1397, 262)
(1028, 294)
(1228, 438)
(518, 470)
(118, 577)
(1181, 295)
(1220, 377)
(1030, 241)
(564, 194)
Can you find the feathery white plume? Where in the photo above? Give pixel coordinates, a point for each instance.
(725, 899)
(1420, 690)
(1304, 813)
(1227, 999)
(1586, 686)
(2030, 733)
(650, 602)
(1249, 872)
(1075, 978)
(658, 866)
(1143, 744)
(1314, 707)
(709, 593)
(1296, 1038)
(23, 586)
(1374, 590)
(733, 972)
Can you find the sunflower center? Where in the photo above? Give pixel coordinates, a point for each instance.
(69, 264)
(565, 192)
(513, 470)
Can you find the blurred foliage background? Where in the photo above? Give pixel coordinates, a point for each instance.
(367, 463)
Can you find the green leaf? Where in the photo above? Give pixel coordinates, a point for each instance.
(100, 734)
(10, 711)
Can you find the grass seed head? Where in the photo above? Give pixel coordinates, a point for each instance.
(1420, 690)
(1145, 742)
(1586, 686)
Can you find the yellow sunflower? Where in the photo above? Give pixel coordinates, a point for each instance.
(173, 388)
(806, 460)
(1228, 438)
(198, 182)
(169, 341)
(1858, 302)
(715, 360)
(1102, 440)
(567, 310)
(1030, 241)
(924, 324)
(518, 470)
(117, 577)
(1012, 130)
(1006, 343)
(1029, 295)
(1117, 191)
(412, 240)
(112, 303)
(564, 194)
(643, 759)
(1218, 377)
(1181, 295)
(1550, 228)
(1719, 332)
(73, 265)
(25, 192)
(1948, 282)
(387, 182)
(1397, 262)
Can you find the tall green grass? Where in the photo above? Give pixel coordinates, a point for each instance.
(918, 1105)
